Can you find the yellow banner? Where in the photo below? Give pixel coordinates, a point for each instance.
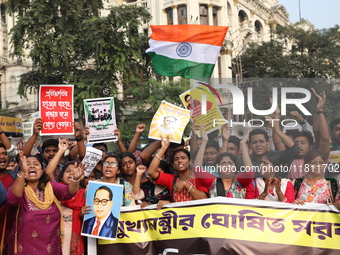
(247, 220)
(10, 124)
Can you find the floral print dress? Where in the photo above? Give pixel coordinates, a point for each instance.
(318, 193)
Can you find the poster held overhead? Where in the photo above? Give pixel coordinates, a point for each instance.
(56, 109)
(101, 119)
(169, 120)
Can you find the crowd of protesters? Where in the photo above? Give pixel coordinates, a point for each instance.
(42, 197)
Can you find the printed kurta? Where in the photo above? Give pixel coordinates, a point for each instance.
(38, 230)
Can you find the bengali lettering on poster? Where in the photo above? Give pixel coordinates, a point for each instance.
(56, 109)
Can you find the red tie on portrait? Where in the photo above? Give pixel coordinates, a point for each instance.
(95, 231)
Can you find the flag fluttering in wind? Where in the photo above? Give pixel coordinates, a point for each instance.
(189, 51)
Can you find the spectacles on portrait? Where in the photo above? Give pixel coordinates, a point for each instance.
(103, 201)
(112, 164)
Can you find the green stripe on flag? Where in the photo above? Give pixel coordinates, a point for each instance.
(178, 67)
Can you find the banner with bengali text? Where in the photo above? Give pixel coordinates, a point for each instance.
(227, 226)
(11, 125)
(56, 109)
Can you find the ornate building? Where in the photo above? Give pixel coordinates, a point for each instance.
(248, 20)
(10, 70)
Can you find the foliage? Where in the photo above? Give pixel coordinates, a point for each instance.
(294, 52)
(147, 97)
(69, 43)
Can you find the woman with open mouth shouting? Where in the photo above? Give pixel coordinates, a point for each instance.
(38, 227)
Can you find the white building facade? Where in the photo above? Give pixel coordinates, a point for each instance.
(248, 20)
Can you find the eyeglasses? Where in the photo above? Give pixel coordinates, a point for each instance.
(103, 201)
(112, 164)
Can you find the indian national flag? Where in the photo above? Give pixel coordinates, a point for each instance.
(189, 51)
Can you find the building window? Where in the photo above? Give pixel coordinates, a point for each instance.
(182, 15)
(258, 27)
(169, 15)
(3, 13)
(242, 16)
(214, 11)
(204, 15)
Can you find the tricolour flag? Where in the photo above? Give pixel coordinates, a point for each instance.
(189, 51)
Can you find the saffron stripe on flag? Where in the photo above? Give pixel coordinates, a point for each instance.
(213, 35)
(200, 53)
(178, 67)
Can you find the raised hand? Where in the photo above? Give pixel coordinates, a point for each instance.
(86, 132)
(77, 130)
(37, 126)
(140, 128)
(63, 144)
(23, 165)
(320, 98)
(165, 142)
(78, 171)
(117, 133)
(225, 132)
(141, 169)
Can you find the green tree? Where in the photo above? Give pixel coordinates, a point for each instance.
(70, 44)
(314, 54)
(146, 98)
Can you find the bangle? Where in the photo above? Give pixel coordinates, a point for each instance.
(20, 176)
(1, 132)
(318, 112)
(158, 157)
(190, 188)
(73, 180)
(79, 139)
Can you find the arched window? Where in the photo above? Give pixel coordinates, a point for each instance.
(242, 16)
(182, 15)
(3, 12)
(169, 16)
(258, 27)
(214, 11)
(204, 20)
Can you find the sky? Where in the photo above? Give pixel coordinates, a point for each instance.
(322, 14)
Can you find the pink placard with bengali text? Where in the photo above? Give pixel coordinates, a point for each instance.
(56, 109)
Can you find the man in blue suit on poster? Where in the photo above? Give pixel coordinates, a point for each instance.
(104, 224)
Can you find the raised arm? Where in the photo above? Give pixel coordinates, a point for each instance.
(157, 159)
(148, 151)
(274, 119)
(133, 144)
(37, 126)
(77, 175)
(119, 141)
(19, 183)
(199, 156)
(75, 151)
(4, 140)
(324, 143)
(225, 137)
(139, 173)
(52, 165)
(245, 151)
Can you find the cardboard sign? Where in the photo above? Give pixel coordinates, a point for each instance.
(56, 109)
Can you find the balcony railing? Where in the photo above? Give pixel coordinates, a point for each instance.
(137, 3)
